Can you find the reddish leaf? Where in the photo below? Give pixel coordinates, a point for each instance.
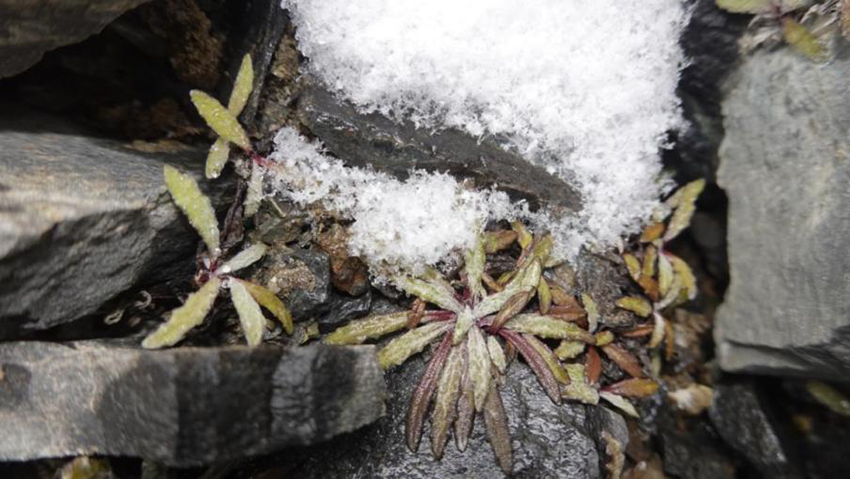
(536, 363)
(636, 388)
(511, 308)
(465, 408)
(624, 359)
(424, 392)
(639, 331)
(414, 316)
(593, 365)
(496, 423)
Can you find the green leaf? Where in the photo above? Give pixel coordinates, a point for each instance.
(569, 349)
(216, 158)
(186, 317)
(745, 6)
(497, 354)
(685, 275)
(271, 302)
(245, 258)
(685, 208)
(474, 265)
(525, 280)
(549, 358)
(622, 403)
(448, 390)
(399, 349)
(829, 397)
(219, 119)
(579, 389)
(635, 304)
(250, 316)
(432, 291)
(633, 265)
(592, 312)
(242, 87)
(358, 331)
(802, 39)
(548, 327)
(479, 367)
(195, 205)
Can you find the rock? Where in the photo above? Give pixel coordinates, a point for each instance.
(343, 308)
(742, 418)
(182, 407)
(694, 454)
(548, 440)
(81, 220)
(29, 29)
(785, 168)
(396, 148)
(302, 277)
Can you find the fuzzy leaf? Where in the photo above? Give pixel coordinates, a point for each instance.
(536, 363)
(672, 295)
(665, 274)
(592, 312)
(421, 397)
(510, 309)
(685, 275)
(474, 266)
(681, 218)
(432, 291)
(549, 357)
(498, 433)
(250, 316)
(579, 389)
(479, 367)
(219, 119)
(548, 327)
(745, 6)
(245, 258)
(242, 87)
(195, 205)
(216, 158)
(254, 195)
(464, 321)
(497, 354)
(399, 349)
(657, 331)
(524, 238)
(652, 232)
(624, 360)
(622, 403)
(358, 331)
(495, 241)
(544, 296)
(636, 388)
(635, 304)
(465, 406)
(633, 265)
(604, 338)
(569, 349)
(649, 258)
(271, 302)
(448, 390)
(524, 281)
(829, 397)
(802, 39)
(186, 317)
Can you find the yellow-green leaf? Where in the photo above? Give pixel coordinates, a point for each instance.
(358, 331)
(464, 321)
(649, 257)
(399, 349)
(665, 274)
(495, 241)
(685, 209)
(524, 238)
(592, 312)
(254, 193)
(685, 275)
(478, 367)
(635, 304)
(622, 403)
(195, 205)
(216, 158)
(802, 39)
(271, 302)
(829, 397)
(432, 291)
(186, 317)
(548, 327)
(252, 319)
(245, 258)
(549, 358)
(569, 349)
(219, 119)
(652, 232)
(242, 86)
(604, 338)
(579, 389)
(745, 6)
(544, 296)
(633, 265)
(525, 280)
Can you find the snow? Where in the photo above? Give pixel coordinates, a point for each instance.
(584, 88)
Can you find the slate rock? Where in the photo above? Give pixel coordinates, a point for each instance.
(82, 219)
(181, 407)
(785, 167)
(302, 277)
(396, 148)
(344, 308)
(28, 28)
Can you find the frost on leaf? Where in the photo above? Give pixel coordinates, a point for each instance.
(745, 6)
(220, 120)
(410, 343)
(216, 158)
(250, 317)
(358, 331)
(186, 317)
(254, 193)
(271, 302)
(622, 403)
(195, 205)
(245, 258)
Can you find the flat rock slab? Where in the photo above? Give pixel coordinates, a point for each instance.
(180, 407)
(785, 166)
(81, 220)
(396, 148)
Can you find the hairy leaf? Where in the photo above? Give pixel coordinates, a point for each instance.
(524, 237)
(685, 275)
(802, 39)
(474, 259)
(424, 392)
(432, 291)
(465, 320)
(604, 338)
(358, 331)
(649, 257)
(665, 274)
(536, 363)
(216, 158)
(569, 349)
(399, 349)
(417, 311)
(579, 389)
(497, 354)
(254, 195)
(465, 406)
(593, 365)
(271, 302)
(549, 358)
(624, 360)
(633, 265)
(635, 304)
(250, 316)
(652, 232)
(186, 317)
(219, 119)
(592, 312)
(495, 241)
(657, 331)
(544, 296)
(636, 388)
(479, 366)
(548, 327)
(498, 433)
(622, 403)
(685, 210)
(195, 205)
(242, 87)
(510, 309)
(448, 391)
(245, 258)
(525, 280)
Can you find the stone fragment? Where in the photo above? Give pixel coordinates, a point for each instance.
(301, 277)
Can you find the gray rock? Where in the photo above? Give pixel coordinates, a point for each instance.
(181, 407)
(548, 440)
(29, 29)
(396, 148)
(695, 454)
(302, 277)
(81, 220)
(741, 417)
(343, 308)
(785, 168)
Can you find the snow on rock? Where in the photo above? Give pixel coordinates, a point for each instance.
(584, 88)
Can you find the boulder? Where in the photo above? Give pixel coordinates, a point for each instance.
(785, 166)
(181, 407)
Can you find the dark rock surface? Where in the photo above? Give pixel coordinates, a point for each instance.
(181, 407)
(395, 148)
(695, 454)
(81, 220)
(786, 167)
(344, 308)
(302, 277)
(29, 28)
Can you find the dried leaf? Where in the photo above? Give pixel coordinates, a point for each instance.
(604, 338)
(448, 391)
(399, 349)
(657, 331)
(665, 274)
(186, 317)
(478, 366)
(685, 210)
(358, 331)
(195, 205)
(649, 258)
(548, 327)
(491, 283)
(510, 309)
(417, 311)
(635, 304)
(650, 287)
(624, 360)
(635, 388)
(802, 39)
(250, 316)
(245, 258)
(84, 467)
(242, 87)
(474, 266)
(622, 403)
(652, 232)
(693, 399)
(465, 407)
(633, 265)
(421, 397)
(216, 158)
(536, 363)
(505, 277)
(524, 237)
(615, 453)
(549, 358)
(432, 291)
(495, 241)
(579, 389)
(271, 302)
(593, 363)
(254, 195)
(464, 321)
(592, 312)
(219, 119)
(685, 275)
(745, 6)
(569, 349)
(829, 397)
(544, 296)
(496, 423)
(497, 354)
(639, 331)
(561, 297)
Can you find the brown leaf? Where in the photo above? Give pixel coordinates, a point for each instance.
(650, 287)
(632, 265)
(670, 344)
(424, 392)
(544, 296)
(562, 298)
(593, 365)
(638, 331)
(496, 423)
(693, 399)
(652, 232)
(649, 258)
(495, 241)
(491, 283)
(448, 390)
(636, 388)
(624, 359)
(536, 363)
(511, 308)
(549, 357)
(414, 316)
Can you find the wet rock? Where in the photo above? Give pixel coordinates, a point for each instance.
(28, 29)
(742, 417)
(343, 308)
(396, 148)
(785, 169)
(181, 407)
(81, 220)
(302, 277)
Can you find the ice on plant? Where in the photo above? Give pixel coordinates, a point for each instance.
(584, 88)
